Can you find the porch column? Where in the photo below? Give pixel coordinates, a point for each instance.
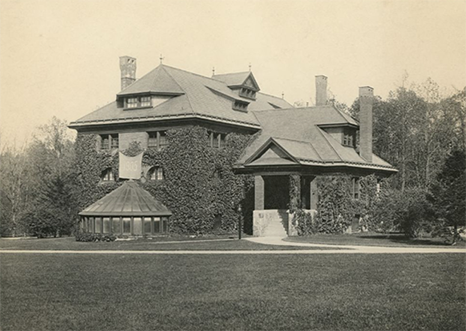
(258, 192)
(314, 196)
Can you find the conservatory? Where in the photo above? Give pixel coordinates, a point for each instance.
(128, 210)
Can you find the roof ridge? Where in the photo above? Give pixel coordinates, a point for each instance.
(186, 94)
(233, 73)
(188, 72)
(127, 87)
(341, 113)
(273, 96)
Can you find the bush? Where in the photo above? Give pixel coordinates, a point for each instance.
(409, 211)
(94, 237)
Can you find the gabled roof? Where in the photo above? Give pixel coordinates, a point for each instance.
(238, 79)
(296, 131)
(196, 97)
(127, 200)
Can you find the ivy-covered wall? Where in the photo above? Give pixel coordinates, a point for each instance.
(199, 186)
(336, 207)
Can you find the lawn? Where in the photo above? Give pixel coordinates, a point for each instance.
(374, 239)
(159, 244)
(234, 292)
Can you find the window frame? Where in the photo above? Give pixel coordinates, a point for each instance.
(160, 139)
(356, 188)
(109, 141)
(217, 139)
(155, 174)
(136, 102)
(107, 176)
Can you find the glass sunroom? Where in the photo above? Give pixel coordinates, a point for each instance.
(128, 210)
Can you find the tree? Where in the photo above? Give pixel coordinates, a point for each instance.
(15, 191)
(51, 157)
(449, 193)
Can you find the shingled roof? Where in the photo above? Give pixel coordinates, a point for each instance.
(127, 200)
(297, 138)
(190, 96)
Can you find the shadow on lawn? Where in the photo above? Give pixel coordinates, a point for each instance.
(402, 239)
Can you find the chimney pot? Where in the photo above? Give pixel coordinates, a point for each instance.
(321, 90)
(366, 99)
(128, 71)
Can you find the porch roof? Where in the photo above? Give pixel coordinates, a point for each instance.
(298, 138)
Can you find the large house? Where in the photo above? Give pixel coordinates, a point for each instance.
(284, 140)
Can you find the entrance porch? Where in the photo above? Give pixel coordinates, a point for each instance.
(272, 201)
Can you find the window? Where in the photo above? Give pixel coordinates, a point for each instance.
(160, 225)
(106, 221)
(356, 188)
(108, 141)
(98, 225)
(155, 173)
(147, 225)
(107, 175)
(217, 140)
(138, 102)
(116, 225)
(132, 103)
(145, 102)
(247, 93)
(126, 224)
(158, 140)
(349, 138)
(240, 105)
(156, 225)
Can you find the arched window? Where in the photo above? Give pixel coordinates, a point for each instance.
(107, 175)
(155, 173)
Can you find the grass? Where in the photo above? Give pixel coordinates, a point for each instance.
(247, 292)
(374, 239)
(136, 245)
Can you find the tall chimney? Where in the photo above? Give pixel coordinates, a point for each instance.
(128, 71)
(366, 98)
(321, 90)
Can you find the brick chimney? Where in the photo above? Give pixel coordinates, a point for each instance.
(128, 71)
(321, 90)
(366, 98)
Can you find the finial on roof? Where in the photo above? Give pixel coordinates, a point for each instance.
(249, 66)
(213, 71)
(161, 59)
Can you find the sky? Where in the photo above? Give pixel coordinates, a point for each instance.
(61, 58)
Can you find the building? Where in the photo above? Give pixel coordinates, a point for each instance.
(305, 142)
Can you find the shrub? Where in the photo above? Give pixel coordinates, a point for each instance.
(94, 237)
(408, 211)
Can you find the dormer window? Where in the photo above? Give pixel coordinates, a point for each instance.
(247, 93)
(349, 137)
(240, 105)
(138, 102)
(145, 102)
(132, 103)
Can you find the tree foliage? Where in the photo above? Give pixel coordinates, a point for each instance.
(448, 194)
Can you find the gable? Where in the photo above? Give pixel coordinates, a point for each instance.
(251, 83)
(271, 154)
